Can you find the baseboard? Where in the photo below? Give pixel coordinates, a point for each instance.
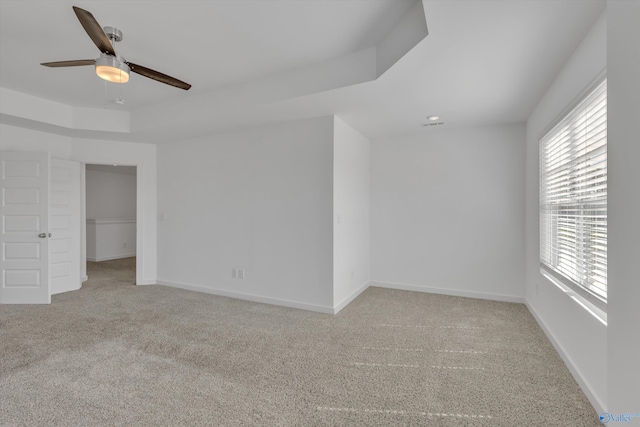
(452, 292)
(348, 299)
(248, 297)
(584, 385)
(84, 278)
(111, 258)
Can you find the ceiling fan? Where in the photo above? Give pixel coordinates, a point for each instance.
(110, 66)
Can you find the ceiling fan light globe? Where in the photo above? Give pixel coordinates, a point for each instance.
(112, 70)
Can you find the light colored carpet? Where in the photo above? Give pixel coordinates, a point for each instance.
(117, 354)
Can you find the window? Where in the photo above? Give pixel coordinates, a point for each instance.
(573, 198)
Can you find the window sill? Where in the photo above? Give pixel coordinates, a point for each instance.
(596, 312)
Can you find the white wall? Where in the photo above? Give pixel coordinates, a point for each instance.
(623, 340)
(447, 212)
(19, 139)
(351, 153)
(104, 152)
(577, 335)
(260, 200)
(109, 239)
(110, 194)
(111, 213)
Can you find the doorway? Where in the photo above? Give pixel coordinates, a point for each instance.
(111, 217)
(31, 223)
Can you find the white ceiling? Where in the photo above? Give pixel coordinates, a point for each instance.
(484, 61)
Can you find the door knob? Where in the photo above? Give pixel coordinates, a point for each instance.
(44, 235)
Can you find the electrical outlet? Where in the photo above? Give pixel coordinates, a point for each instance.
(240, 274)
(234, 273)
(124, 245)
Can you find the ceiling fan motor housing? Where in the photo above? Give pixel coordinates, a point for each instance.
(113, 33)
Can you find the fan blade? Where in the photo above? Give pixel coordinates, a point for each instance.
(94, 30)
(155, 75)
(75, 63)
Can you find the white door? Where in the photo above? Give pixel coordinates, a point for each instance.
(64, 224)
(24, 234)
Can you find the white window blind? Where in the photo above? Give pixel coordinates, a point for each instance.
(573, 198)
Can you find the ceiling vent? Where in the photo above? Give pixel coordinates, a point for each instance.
(427, 125)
